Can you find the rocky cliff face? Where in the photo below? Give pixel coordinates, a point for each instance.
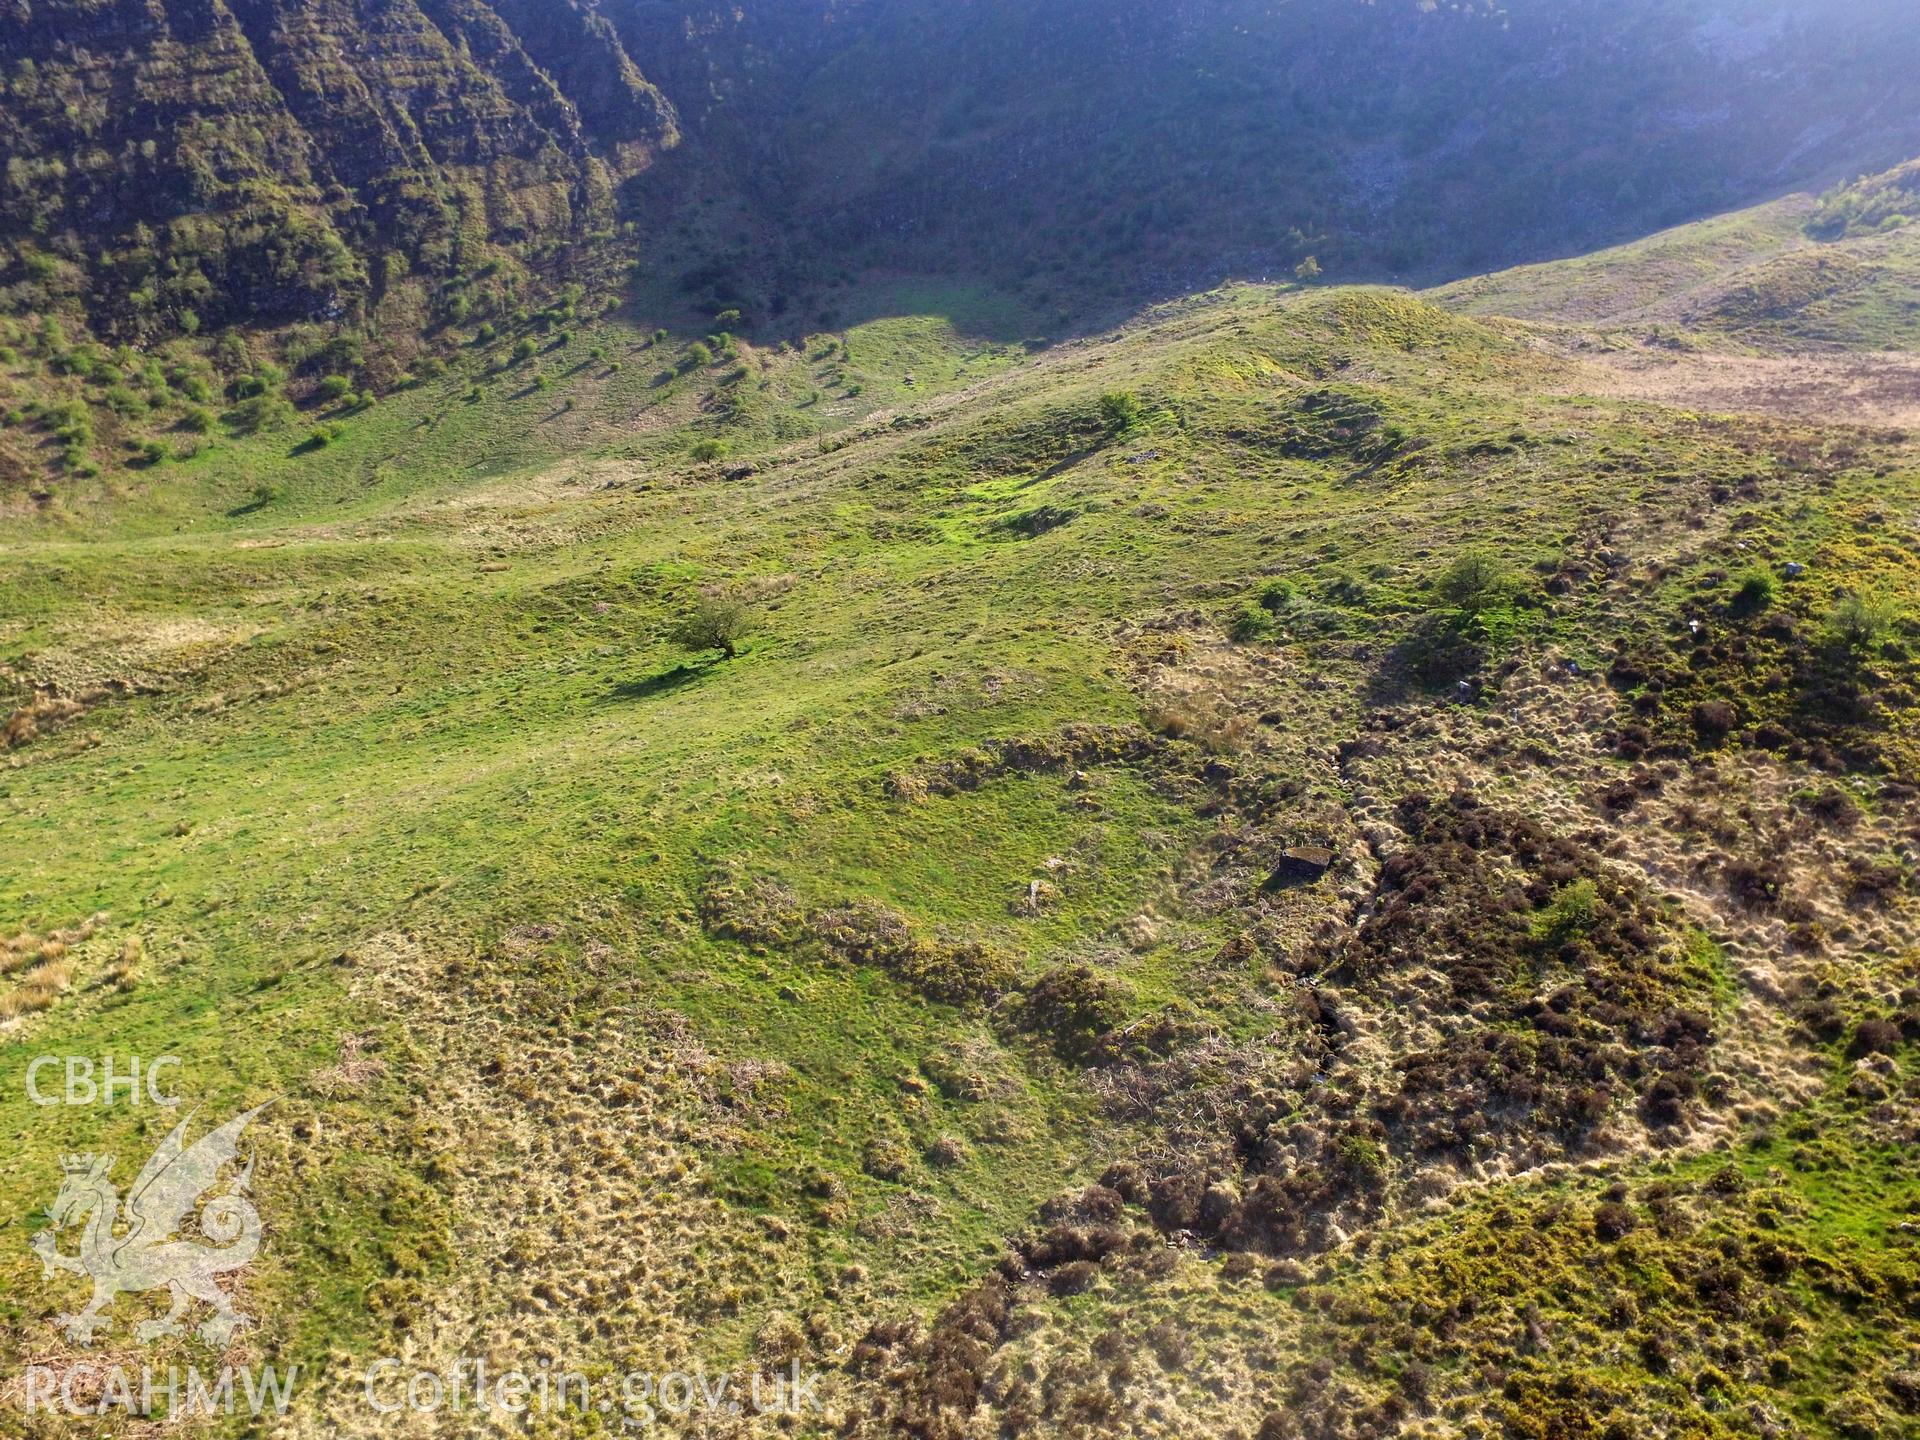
(183, 163)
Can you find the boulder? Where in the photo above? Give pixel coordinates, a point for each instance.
(1301, 865)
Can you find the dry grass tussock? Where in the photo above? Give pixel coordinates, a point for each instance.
(580, 1168)
(1196, 686)
(1872, 390)
(37, 990)
(41, 968)
(42, 715)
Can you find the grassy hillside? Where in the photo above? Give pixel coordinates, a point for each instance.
(353, 195)
(1296, 867)
(1787, 277)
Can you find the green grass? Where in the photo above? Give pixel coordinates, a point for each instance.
(421, 686)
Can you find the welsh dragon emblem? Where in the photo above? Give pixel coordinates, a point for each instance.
(145, 1254)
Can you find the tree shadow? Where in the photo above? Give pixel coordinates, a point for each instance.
(663, 683)
(1435, 657)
